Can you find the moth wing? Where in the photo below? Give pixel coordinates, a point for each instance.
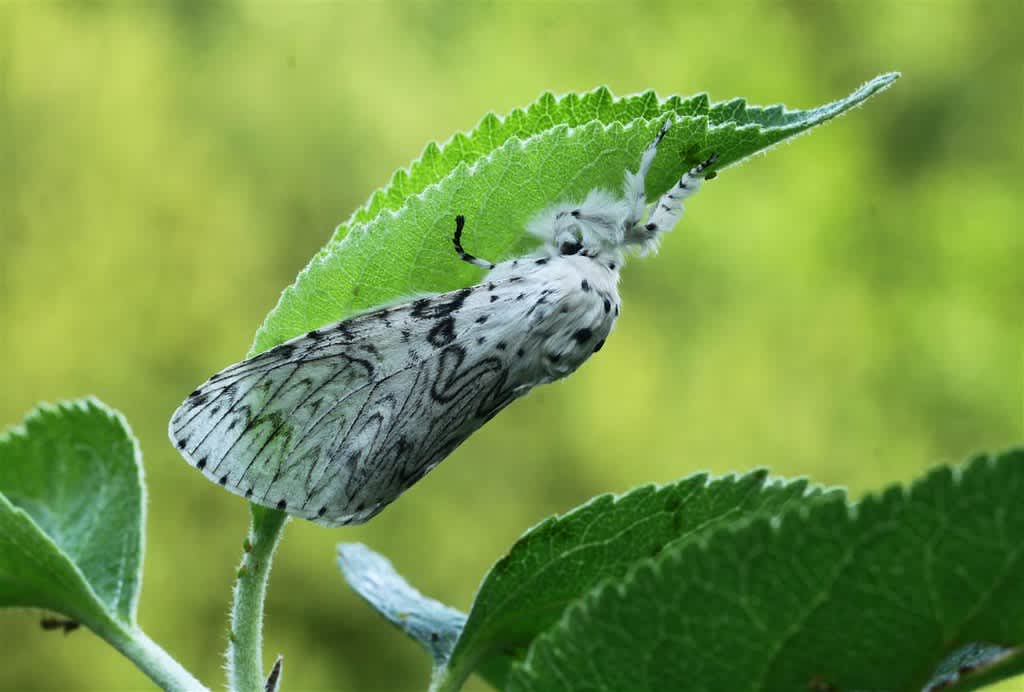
(334, 425)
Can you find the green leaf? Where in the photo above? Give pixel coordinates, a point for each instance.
(563, 558)
(871, 597)
(71, 514)
(431, 623)
(502, 174)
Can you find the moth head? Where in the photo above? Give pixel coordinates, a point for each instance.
(592, 228)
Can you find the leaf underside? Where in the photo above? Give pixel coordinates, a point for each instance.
(71, 513)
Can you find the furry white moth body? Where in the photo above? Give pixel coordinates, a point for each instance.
(335, 424)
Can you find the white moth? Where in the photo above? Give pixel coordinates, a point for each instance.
(334, 425)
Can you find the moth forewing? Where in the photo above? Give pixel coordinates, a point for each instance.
(333, 426)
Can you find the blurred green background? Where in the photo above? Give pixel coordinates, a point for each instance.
(846, 308)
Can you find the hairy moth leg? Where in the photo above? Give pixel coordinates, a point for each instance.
(634, 186)
(667, 210)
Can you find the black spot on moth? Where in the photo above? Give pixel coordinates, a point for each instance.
(481, 319)
(582, 335)
(607, 305)
(440, 306)
(282, 505)
(599, 345)
(315, 335)
(248, 493)
(201, 464)
(542, 260)
(585, 285)
(223, 479)
(284, 350)
(442, 333)
(322, 511)
(494, 298)
(345, 331)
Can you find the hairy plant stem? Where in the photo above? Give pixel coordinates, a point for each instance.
(245, 648)
(166, 672)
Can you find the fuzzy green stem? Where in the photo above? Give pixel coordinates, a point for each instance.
(245, 649)
(167, 673)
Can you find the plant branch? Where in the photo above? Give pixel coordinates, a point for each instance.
(245, 649)
(152, 660)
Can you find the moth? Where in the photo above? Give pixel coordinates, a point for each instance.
(334, 425)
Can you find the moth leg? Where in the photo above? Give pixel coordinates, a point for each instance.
(634, 187)
(460, 221)
(667, 210)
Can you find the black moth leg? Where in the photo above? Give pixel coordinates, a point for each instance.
(460, 221)
(667, 210)
(636, 183)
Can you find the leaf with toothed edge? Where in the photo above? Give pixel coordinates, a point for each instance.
(562, 558)
(869, 597)
(504, 172)
(912, 589)
(71, 514)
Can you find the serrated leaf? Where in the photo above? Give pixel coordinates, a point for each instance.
(71, 513)
(503, 173)
(437, 161)
(833, 597)
(562, 558)
(431, 623)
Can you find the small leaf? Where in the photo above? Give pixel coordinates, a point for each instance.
(503, 173)
(434, 625)
(975, 665)
(832, 597)
(71, 514)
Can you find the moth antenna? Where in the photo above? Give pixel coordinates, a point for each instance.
(460, 221)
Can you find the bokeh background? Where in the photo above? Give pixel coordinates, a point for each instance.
(847, 307)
